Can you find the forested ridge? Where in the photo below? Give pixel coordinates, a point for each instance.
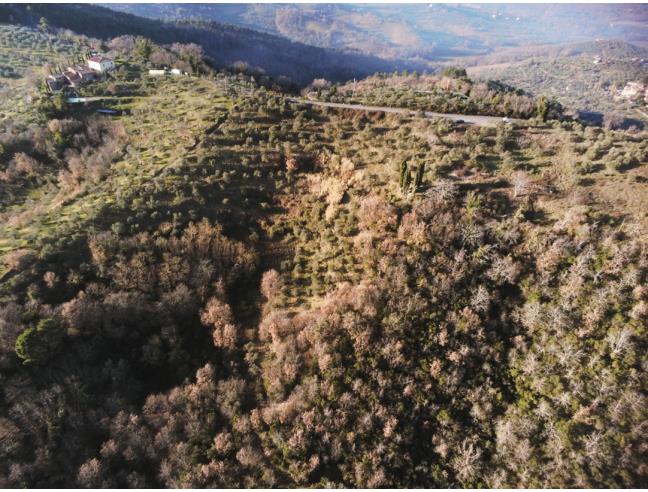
(218, 287)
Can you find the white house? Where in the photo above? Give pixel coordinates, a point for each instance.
(100, 63)
(157, 72)
(176, 71)
(633, 90)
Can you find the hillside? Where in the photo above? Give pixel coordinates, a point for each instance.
(220, 287)
(24, 55)
(224, 44)
(450, 91)
(582, 77)
(420, 31)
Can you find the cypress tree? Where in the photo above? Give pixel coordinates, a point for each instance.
(542, 108)
(418, 180)
(407, 181)
(404, 173)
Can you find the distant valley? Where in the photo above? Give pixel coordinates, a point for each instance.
(419, 31)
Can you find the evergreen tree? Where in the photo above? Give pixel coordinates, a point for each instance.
(542, 107)
(37, 344)
(404, 173)
(418, 180)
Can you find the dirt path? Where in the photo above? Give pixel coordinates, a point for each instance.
(469, 119)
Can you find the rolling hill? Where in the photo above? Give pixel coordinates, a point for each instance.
(584, 76)
(224, 44)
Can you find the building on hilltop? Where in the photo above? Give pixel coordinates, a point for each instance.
(100, 63)
(73, 76)
(634, 91)
(157, 71)
(78, 75)
(165, 71)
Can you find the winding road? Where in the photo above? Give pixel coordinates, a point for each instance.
(469, 119)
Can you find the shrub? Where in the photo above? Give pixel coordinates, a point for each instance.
(38, 344)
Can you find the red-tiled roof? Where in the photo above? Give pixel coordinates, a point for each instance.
(99, 59)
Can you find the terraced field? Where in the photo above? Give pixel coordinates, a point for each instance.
(162, 127)
(24, 54)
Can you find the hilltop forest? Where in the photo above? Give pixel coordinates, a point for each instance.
(220, 285)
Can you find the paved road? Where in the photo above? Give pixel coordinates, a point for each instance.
(469, 119)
